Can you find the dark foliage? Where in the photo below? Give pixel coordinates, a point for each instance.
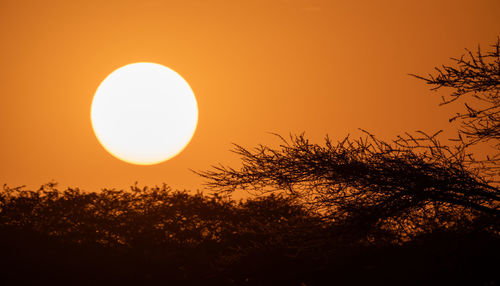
(155, 236)
(145, 234)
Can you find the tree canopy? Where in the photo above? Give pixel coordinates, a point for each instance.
(405, 187)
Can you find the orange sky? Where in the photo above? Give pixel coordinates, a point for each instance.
(254, 66)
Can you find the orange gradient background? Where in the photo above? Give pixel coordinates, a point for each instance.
(323, 67)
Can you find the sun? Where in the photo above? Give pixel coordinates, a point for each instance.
(144, 113)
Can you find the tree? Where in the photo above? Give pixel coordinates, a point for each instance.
(396, 190)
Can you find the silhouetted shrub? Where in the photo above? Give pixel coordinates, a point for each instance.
(162, 234)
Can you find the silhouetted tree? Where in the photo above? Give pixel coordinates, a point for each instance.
(399, 189)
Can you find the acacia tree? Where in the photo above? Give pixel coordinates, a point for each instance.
(411, 185)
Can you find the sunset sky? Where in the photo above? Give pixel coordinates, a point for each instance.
(317, 66)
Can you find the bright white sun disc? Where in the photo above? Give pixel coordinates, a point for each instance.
(144, 113)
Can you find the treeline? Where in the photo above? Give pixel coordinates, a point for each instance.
(160, 236)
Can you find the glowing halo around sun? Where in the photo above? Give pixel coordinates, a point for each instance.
(144, 113)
